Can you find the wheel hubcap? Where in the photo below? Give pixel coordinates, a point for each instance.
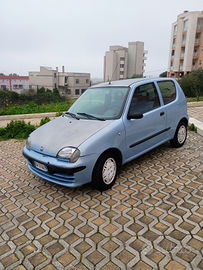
(109, 171)
(181, 134)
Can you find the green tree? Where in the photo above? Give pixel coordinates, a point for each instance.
(192, 83)
(163, 74)
(137, 76)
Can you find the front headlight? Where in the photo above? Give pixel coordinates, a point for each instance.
(28, 143)
(70, 153)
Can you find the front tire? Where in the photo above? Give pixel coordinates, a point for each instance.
(105, 171)
(180, 135)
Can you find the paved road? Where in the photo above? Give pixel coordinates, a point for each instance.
(151, 219)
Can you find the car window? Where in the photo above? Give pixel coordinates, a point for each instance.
(168, 91)
(145, 98)
(104, 102)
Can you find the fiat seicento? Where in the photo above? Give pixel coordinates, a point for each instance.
(109, 125)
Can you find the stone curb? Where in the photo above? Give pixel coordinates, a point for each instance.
(27, 116)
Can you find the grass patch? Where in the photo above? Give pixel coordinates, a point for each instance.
(32, 107)
(194, 99)
(192, 127)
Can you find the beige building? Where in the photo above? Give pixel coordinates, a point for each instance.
(186, 47)
(121, 62)
(68, 83)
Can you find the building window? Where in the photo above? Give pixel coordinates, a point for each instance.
(77, 91)
(122, 58)
(184, 38)
(83, 90)
(20, 86)
(55, 86)
(54, 75)
(175, 30)
(122, 65)
(185, 26)
(200, 62)
(202, 49)
(77, 81)
(66, 79)
(68, 91)
(3, 87)
(121, 72)
(174, 42)
(87, 80)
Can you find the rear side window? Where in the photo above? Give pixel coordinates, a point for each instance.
(168, 91)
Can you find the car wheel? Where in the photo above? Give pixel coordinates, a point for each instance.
(104, 174)
(180, 135)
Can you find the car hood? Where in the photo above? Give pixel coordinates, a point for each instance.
(64, 131)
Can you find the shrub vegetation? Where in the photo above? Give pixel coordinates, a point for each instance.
(16, 129)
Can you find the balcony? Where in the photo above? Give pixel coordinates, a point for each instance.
(181, 68)
(171, 68)
(195, 55)
(172, 56)
(197, 40)
(183, 42)
(182, 55)
(194, 67)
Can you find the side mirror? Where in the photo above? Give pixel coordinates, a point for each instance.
(136, 115)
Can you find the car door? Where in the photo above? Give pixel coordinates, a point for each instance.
(149, 131)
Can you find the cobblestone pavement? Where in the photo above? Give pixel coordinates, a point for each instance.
(151, 219)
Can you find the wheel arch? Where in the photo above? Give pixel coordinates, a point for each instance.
(116, 152)
(184, 119)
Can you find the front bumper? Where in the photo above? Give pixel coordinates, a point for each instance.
(61, 172)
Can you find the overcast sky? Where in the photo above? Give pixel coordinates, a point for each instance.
(77, 33)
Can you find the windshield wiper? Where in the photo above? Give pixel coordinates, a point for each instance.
(73, 115)
(90, 116)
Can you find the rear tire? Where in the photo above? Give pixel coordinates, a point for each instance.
(105, 171)
(180, 135)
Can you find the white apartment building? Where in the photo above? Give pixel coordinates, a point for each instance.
(68, 83)
(14, 83)
(186, 46)
(121, 62)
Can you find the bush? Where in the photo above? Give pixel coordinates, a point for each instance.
(44, 121)
(192, 127)
(16, 129)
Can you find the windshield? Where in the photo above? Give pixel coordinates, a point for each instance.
(100, 103)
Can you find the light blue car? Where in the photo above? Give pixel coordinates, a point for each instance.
(109, 125)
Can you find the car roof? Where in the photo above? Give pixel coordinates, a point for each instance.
(129, 82)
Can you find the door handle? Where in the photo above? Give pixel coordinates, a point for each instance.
(162, 113)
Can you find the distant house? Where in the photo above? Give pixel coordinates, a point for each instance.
(186, 45)
(68, 83)
(121, 62)
(14, 83)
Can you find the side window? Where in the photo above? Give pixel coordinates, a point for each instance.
(168, 91)
(145, 99)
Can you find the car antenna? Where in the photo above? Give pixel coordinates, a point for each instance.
(113, 73)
